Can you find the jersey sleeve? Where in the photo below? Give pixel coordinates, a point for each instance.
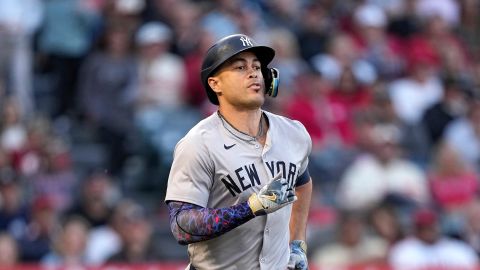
(191, 173)
(304, 175)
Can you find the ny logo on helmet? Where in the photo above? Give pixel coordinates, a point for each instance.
(246, 41)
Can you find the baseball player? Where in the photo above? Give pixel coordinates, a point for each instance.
(239, 189)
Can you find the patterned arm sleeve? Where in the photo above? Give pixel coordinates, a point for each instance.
(192, 223)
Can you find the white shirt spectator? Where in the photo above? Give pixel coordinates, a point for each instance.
(162, 81)
(103, 242)
(411, 98)
(412, 253)
(367, 181)
(338, 256)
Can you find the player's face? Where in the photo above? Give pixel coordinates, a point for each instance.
(239, 82)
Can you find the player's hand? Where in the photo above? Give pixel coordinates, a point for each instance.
(272, 197)
(298, 256)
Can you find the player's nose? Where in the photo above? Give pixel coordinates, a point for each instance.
(253, 72)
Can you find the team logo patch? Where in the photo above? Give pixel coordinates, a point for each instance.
(246, 41)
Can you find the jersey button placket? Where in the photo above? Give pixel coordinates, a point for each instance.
(262, 260)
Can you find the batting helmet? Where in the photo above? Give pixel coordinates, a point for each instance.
(231, 45)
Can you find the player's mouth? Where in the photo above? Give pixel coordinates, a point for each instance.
(255, 86)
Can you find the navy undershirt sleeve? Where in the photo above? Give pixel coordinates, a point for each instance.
(303, 179)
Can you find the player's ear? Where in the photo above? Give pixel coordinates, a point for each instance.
(213, 82)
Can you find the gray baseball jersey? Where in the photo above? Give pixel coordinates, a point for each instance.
(214, 168)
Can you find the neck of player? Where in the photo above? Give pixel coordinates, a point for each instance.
(247, 121)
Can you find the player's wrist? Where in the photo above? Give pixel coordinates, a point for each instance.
(255, 205)
(299, 244)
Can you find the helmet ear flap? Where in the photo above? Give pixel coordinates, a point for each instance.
(272, 80)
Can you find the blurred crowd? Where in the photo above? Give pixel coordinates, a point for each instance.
(94, 95)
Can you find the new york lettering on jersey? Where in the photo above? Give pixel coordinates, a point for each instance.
(245, 177)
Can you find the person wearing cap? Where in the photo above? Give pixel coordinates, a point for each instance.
(161, 73)
(160, 112)
(239, 187)
(376, 45)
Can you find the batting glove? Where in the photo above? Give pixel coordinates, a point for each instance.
(272, 197)
(298, 256)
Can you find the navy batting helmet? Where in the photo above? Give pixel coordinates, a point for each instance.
(231, 45)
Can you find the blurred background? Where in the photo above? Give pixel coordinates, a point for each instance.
(94, 95)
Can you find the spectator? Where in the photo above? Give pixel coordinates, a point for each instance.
(309, 105)
(9, 257)
(383, 51)
(250, 21)
(382, 173)
(428, 249)
(453, 183)
(184, 19)
(288, 60)
(194, 92)
(96, 199)
(404, 21)
(35, 243)
(166, 10)
(126, 11)
(14, 212)
(414, 141)
(19, 20)
(161, 73)
(107, 89)
(413, 94)
(448, 10)
(352, 247)
(13, 132)
(464, 135)
(136, 235)
(314, 27)
(161, 114)
(342, 52)
(64, 39)
(328, 110)
(283, 14)
(348, 98)
(450, 107)
(386, 224)
(106, 240)
(68, 244)
(55, 178)
(438, 40)
(220, 19)
(26, 160)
